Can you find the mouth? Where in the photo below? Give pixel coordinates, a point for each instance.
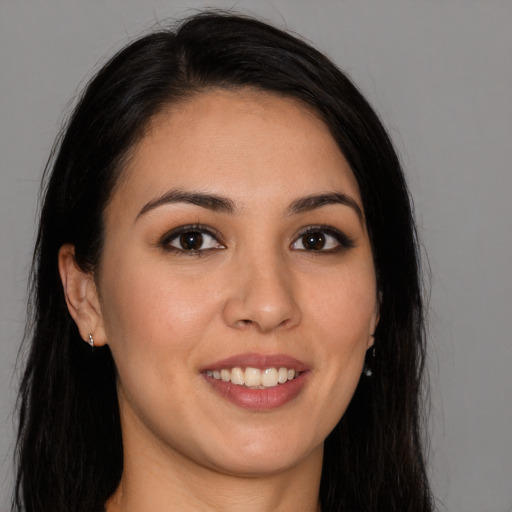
(254, 378)
(257, 382)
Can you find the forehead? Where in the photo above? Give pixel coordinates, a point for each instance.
(239, 143)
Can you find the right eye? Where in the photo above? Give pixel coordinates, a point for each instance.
(192, 239)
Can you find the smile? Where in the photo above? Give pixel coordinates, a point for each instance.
(254, 378)
(258, 382)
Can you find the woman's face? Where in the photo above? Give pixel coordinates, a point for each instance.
(237, 286)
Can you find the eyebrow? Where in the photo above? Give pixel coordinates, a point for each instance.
(223, 204)
(308, 203)
(209, 201)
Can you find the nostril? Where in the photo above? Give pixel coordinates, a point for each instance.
(243, 323)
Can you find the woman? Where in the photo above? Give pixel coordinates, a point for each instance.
(227, 305)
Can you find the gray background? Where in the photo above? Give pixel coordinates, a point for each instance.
(440, 75)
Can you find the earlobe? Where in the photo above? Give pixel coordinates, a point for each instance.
(81, 297)
(375, 322)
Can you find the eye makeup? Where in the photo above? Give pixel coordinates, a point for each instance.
(192, 239)
(322, 239)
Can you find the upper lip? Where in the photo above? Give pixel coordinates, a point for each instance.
(261, 361)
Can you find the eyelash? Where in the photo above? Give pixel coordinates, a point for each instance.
(344, 242)
(174, 234)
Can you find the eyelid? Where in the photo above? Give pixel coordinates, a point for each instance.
(344, 241)
(171, 235)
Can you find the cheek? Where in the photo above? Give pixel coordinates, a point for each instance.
(148, 307)
(344, 306)
(153, 323)
(156, 319)
(343, 314)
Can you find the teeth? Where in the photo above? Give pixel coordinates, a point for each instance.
(237, 376)
(282, 375)
(254, 377)
(269, 377)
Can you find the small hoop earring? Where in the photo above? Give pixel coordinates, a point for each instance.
(91, 340)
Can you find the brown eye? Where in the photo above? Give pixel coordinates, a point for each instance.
(314, 241)
(322, 239)
(191, 241)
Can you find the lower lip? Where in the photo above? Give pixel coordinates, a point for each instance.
(259, 399)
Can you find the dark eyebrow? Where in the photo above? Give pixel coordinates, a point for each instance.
(208, 201)
(308, 203)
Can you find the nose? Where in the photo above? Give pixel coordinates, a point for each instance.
(261, 296)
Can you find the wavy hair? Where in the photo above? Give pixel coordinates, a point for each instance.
(69, 446)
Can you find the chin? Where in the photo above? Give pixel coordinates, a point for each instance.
(259, 457)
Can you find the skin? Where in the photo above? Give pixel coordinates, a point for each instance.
(166, 315)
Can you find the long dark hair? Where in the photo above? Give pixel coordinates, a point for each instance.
(69, 446)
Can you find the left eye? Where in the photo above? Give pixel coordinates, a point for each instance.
(193, 240)
(321, 240)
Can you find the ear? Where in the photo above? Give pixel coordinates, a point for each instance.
(81, 296)
(375, 321)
